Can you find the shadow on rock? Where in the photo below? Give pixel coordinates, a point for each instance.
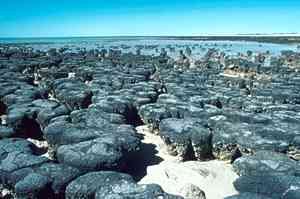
(138, 162)
(3, 108)
(30, 128)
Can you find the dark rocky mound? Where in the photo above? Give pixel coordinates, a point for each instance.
(85, 105)
(188, 138)
(107, 184)
(269, 174)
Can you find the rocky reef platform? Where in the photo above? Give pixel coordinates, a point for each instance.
(144, 122)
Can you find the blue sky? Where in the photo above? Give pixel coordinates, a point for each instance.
(52, 18)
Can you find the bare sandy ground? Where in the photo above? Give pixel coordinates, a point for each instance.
(3, 119)
(214, 177)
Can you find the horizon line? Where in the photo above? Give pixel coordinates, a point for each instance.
(187, 36)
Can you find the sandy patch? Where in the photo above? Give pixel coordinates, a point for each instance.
(214, 177)
(3, 119)
(151, 138)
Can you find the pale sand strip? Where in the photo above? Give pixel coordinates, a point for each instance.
(214, 177)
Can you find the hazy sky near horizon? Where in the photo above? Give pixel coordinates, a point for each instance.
(52, 18)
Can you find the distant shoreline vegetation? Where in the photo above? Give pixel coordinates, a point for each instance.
(256, 38)
(276, 39)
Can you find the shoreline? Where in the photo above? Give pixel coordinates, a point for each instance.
(260, 38)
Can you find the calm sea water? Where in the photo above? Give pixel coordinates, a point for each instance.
(230, 47)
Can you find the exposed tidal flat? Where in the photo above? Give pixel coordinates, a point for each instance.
(150, 118)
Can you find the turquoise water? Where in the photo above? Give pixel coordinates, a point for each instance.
(230, 47)
(66, 40)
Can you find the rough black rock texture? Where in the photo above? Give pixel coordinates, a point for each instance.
(107, 152)
(264, 162)
(187, 138)
(87, 185)
(44, 117)
(6, 132)
(251, 132)
(134, 191)
(30, 175)
(93, 122)
(17, 157)
(15, 145)
(55, 177)
(247, 196)
(85, 103)
(58, 175)
(32, 186)
(268, 173)
(273, 186)
(109, 185)
(73, 93)
(169, 106)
